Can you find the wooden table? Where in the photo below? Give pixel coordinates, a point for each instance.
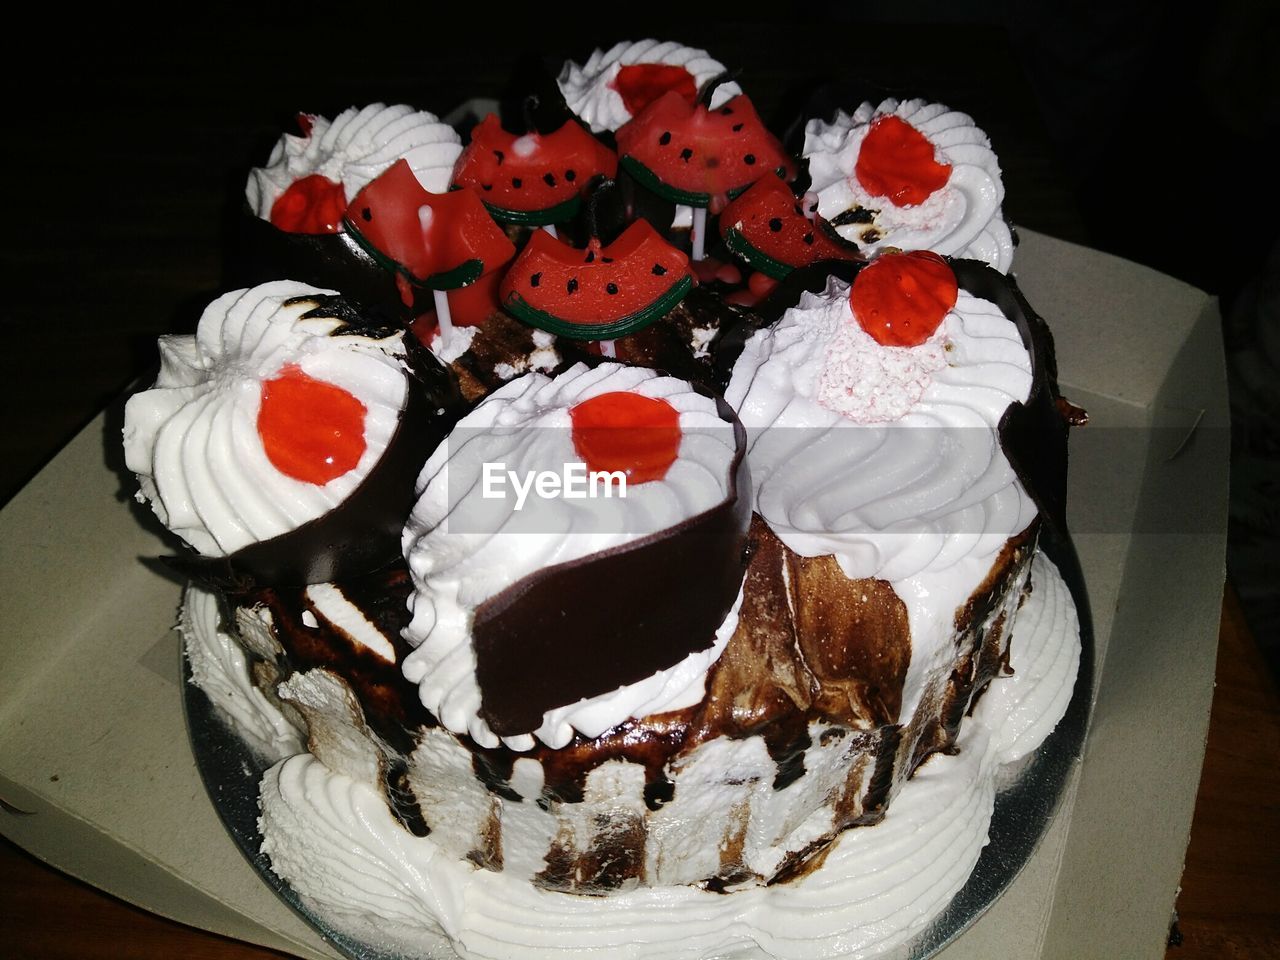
(119, 194)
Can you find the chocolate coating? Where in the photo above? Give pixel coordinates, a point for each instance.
(532, 102)
(263, 252)
(1033, 435)
(589, 626)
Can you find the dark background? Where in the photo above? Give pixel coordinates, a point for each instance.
(1128, 128)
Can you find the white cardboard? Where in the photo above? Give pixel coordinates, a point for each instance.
(97, 777)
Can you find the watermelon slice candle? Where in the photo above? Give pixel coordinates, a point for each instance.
(440, 241)
(770, 228)
(532, 178)
(693, 155)
(598, 293)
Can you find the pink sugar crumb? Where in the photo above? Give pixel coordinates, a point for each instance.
(870, 383)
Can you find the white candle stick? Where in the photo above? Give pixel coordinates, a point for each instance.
(443, 318)
(699, 232)
(608, 348)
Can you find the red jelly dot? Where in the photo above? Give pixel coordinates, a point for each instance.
(625, 431)
(313, 204)
(761, 284)
(900, 298)
(311, 430)
(639, 84)
(729, 273)
(896, 161)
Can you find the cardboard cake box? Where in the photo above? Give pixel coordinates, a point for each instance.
(98, 779)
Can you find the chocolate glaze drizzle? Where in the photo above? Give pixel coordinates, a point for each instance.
(763, 685)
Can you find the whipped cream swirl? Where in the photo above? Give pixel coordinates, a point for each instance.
(590, 92)
(220, 667)
(193, 438)
(887, 499)
(353, 149)
(463, 547)
(962, 218)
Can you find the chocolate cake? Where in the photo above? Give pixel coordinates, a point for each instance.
(541, 718)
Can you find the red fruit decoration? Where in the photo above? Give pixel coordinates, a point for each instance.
(639, 84)
(311, 204)
(691, 154)
(311, 430)
(901, 298)
(627, 432)
(600, 293)
(897, 161)
(436, 240)
(532, 178)
(767, 228)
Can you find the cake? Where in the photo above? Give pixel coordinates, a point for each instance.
(775, 675)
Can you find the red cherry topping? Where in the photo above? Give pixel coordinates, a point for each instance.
(896, 161)
(313, 204)
(900, 298)
(626, 431)
(311, 430)
(306, 122)
(639, 84)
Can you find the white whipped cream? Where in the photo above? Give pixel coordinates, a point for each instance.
(353, 149)
(449, 347)
(193, 440)
(220, 667)
(962, 218)
(347, 618)
(888, 500)
(589, 90)
(463, 548)
(337, 844)
(544, 357)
